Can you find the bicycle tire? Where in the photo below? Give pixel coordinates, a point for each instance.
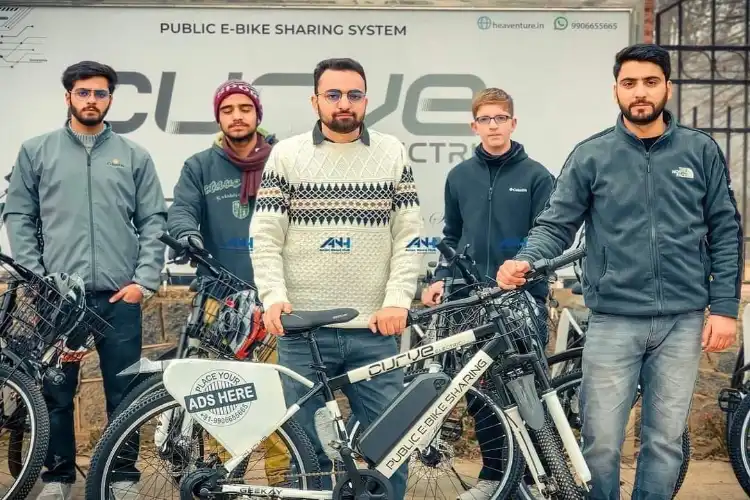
(38, 417)
(576, 376)
(146, 385)
(160, 399)
(554, 458)
(737, 446)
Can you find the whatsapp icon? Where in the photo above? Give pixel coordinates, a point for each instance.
(561, 23)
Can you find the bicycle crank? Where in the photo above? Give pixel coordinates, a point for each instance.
(376, 487)
(199, 483)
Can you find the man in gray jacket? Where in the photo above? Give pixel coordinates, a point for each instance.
(100, 206)
(664, 242)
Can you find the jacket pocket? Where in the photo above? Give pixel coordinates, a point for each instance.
(705, 260)
(603, 270)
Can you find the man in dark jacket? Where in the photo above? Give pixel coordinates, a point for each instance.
(664, 241)
(491, 201)
(98, 200)
(214, 200)
(215, 195)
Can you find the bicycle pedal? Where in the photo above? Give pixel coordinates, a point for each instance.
(729, 400)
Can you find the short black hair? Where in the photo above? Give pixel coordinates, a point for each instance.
(645, 52)
(338, 64)
(88, 69)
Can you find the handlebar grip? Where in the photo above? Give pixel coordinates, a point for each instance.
(549, 265)
(169, 241)
(568, 258)
(446, 251)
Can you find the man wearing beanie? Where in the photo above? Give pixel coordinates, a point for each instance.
(215, 196)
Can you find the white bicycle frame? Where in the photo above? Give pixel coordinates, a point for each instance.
(561, 343)
(255, 391)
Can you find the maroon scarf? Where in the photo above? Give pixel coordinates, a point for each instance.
(251, 166)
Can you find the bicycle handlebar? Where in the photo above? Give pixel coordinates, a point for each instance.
(26, 274)
(194, 251)
(452, 257)
(539, 269)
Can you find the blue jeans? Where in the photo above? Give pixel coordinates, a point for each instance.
(120, 348)
(662, 354)
(343, 350)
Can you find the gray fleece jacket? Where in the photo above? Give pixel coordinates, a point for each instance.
(100, 212)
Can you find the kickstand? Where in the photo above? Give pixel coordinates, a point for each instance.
(80, 471)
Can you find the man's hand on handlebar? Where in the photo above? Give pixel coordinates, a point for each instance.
(186, 242)
(512, 274)
(433, 294)
(388, 321)
(272, 317)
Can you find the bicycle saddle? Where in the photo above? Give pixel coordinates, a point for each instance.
(195, 285)
(301, 321)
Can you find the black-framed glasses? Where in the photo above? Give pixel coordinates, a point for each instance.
(334, 95)
(498, 119)
(99, 94)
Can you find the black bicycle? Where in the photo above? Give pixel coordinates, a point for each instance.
(44, 323)
(734, 402)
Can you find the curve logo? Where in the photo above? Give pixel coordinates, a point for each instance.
(484, 23)
(220, 398)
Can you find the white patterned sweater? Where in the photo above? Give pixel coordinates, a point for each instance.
(332, 224)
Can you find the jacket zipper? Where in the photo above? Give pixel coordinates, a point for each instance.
(91, 221)
(489, 217)
(654, 242)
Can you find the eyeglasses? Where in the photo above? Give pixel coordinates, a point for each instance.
(499, 119)
(99, 94)
(334, 95)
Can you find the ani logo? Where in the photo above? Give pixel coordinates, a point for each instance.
(220, 398)
(239, 210)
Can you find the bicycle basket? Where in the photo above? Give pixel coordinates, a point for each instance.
(230, 319)
(517, 313)
(45, 319)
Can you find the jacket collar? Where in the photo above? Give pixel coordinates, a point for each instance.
(319, 138)
(102, 136)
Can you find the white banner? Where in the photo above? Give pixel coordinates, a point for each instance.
(422, 68)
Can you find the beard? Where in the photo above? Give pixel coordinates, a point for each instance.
(88, 121)
(239, 137)
(342, 125)
(644, 119)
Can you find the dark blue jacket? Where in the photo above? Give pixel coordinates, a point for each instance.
(491, 203)
(207, 203)
(663, 233)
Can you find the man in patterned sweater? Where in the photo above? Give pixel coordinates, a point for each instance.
(335, 212)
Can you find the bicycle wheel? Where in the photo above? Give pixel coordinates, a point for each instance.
(145, 386)
(182, 448)
(739, 435)
(474, 454)
(567, 387)
(23, 413)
